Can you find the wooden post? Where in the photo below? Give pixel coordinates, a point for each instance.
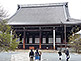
(65, 35)
(54, 39)
(40, 39)
(24, 41)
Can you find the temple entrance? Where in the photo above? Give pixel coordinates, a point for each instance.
(35, 39)
(32, 39)
(44, 38)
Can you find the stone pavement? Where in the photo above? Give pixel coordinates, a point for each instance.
(19, 57)
(24, 56)
(5, 56)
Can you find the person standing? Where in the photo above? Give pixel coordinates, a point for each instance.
(40, 55)
(31, 55)
(60, 54)
(37, 55)
(67, 54)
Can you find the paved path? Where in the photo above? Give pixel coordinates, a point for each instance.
(23, 56)
(54, 57)
(5, 56)
(19, 57)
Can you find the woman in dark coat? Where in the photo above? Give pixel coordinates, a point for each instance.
(31, 55)
(60, 54)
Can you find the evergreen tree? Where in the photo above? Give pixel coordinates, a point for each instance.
(3, 13)
(7, 41)
(75, 40)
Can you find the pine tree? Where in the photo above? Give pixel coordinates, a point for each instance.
(75, 41)
(7, 41)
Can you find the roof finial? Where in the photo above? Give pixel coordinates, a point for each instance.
(67, 19)
(18, 7)
(66, 4)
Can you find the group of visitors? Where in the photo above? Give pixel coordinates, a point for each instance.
(66, 53)
(37, 55)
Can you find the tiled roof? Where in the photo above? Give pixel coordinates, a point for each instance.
(40, 14)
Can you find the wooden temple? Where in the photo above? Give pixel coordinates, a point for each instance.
(44, 26)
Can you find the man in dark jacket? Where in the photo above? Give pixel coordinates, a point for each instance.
(31, 55)
(67, 54)
(40, 53)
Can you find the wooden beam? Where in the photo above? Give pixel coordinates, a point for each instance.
(36, 30)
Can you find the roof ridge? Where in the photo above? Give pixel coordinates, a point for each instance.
(42, 5)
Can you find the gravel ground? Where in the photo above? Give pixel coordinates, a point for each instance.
(5, 56)
(23, 56)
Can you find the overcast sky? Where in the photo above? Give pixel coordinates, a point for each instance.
(73, 5)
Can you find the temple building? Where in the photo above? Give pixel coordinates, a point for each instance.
(44, 26)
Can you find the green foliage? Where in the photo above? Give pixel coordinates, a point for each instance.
(75, 41)
(7, 41)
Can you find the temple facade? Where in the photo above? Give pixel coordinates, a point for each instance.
(44, 26)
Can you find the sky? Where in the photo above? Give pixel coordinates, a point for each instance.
(73, 5)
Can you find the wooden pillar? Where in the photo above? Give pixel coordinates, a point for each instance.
(65, 35)
(24, 41)
(54, 39)
(47, 37)
(40, 39)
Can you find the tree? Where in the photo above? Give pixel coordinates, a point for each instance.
(7, 41)
(3, 13)
(75, 41)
